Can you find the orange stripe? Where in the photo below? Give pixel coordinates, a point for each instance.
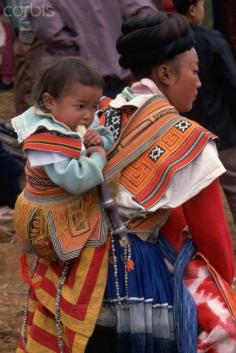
(54, 148)
(47, 137)
(166, 182)
(181, 163)
(145, 113)
(48, 142)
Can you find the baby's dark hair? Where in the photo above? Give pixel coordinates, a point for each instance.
(182, 6)
(57, 74)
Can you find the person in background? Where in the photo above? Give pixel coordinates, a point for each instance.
(168, 6)
(2, 40)
(28, 51)
(215, 106)
(7, 62)
(88, 29)
(224, 14)
(158, 4)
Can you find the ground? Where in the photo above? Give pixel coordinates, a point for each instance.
(12, 292)
(12, 289)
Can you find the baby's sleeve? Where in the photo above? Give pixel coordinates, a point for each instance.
(105, 133)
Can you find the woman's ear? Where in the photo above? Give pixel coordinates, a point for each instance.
(163, 74)
(48, 101)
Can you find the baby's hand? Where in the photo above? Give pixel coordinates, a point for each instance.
(92, 138)
(98, 149)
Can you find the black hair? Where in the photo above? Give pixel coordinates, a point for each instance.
(57, 74)
(182, 6)
(149, 40)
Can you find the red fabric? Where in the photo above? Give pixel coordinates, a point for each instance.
(173, 229)
(210, 231)
(216, 308)
(207, 224)
(169, 6)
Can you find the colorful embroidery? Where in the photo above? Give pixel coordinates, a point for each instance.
(183, 125)
(113, 119)
(63, 226)
(156, 153)
(50, 142)
(154, 145)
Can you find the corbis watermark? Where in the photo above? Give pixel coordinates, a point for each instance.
(24, 11)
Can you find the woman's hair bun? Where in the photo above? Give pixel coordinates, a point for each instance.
(147, 40)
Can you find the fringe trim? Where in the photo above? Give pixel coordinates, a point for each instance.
(113, 185)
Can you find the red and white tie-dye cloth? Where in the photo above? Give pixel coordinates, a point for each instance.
(216, 307)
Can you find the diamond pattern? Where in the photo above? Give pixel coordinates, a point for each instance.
(183, 125)
(156, 153)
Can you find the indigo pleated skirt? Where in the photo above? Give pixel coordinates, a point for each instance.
(139, 306)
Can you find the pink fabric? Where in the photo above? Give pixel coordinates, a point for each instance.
(145, 86)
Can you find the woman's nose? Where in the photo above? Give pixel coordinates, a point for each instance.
(199, 83)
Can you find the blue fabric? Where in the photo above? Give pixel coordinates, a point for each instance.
(150, 284)
(185, 315)
(150, 278)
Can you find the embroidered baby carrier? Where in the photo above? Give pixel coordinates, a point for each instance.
(50, 221)
(155, 143)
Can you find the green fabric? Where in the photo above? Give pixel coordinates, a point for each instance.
(129, 94)
(29, 122)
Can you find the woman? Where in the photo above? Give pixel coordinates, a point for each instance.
(170, 191)
(164, 173)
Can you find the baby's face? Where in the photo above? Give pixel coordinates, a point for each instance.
(77, 106)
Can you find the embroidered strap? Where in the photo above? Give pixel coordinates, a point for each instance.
(45, 182)
(154, 145)
(140, 133)
(49, 142)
